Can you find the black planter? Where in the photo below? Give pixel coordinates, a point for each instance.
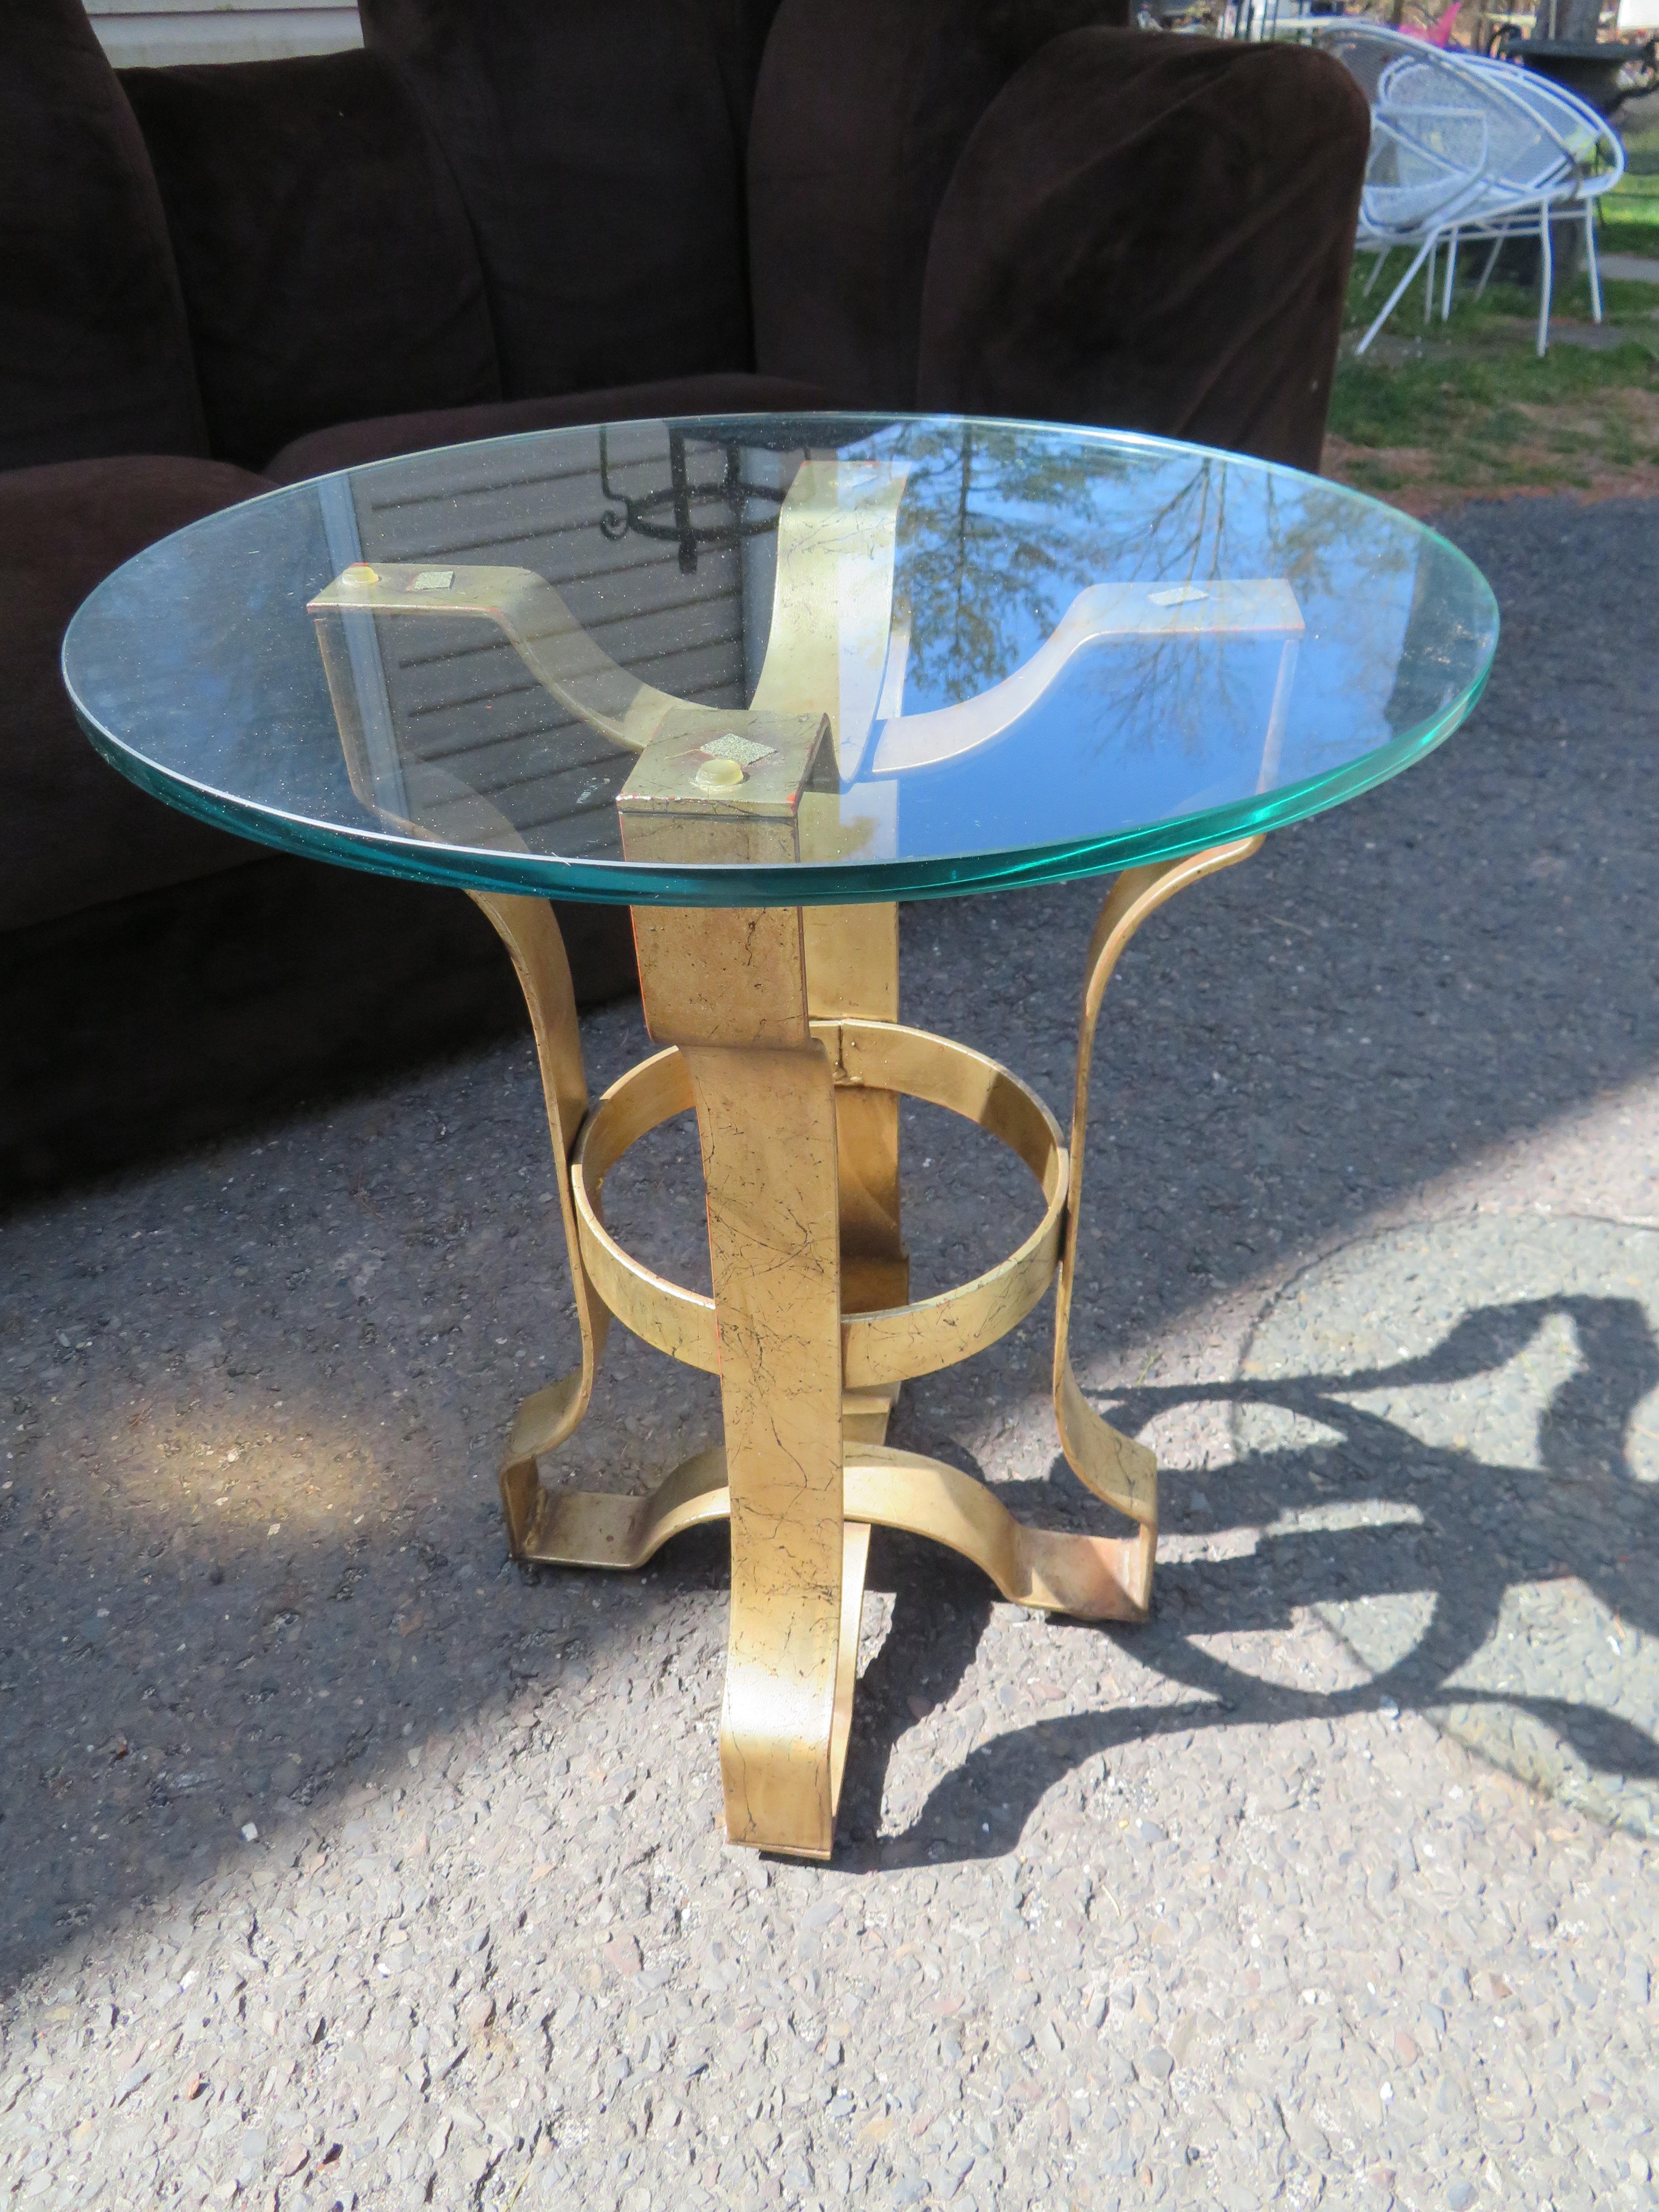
(1591, 68)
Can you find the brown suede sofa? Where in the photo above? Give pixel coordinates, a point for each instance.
(511, 214)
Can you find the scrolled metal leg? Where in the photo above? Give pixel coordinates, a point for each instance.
(728, 989)
(528, 927)
(766, 1120)
(1114, 1468)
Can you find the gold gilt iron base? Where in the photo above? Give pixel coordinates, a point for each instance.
(781, 1033)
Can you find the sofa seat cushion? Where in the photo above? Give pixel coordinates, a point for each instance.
(94, 355)
(600, 160)
(74, 832)
(329, 269)
(351, 444)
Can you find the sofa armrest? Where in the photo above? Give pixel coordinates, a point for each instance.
(1153, 233)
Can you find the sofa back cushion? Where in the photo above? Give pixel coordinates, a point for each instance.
(862, 109)
(95, 356)
(328, 266)
(598, 147)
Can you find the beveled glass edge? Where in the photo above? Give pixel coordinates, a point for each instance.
(804, 883)
(620, 883)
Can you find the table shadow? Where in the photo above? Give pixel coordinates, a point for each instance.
(1484, 1526)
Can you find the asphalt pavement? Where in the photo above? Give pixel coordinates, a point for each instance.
(343, 1863)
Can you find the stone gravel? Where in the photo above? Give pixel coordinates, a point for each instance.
(343, 1864)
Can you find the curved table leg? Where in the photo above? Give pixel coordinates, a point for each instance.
(528, 927)
(766, 1121)
(728, 988)
(1114, 1466)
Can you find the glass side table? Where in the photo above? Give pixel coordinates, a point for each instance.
(759, 678)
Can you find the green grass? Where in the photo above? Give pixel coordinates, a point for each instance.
(1388, 405)
(1630, 212)
(1489, 413)
(1473, 408)
(1639, 234)
(1630, 216)
(1624, 301)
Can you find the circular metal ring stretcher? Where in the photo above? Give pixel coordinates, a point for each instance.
(886, 1346)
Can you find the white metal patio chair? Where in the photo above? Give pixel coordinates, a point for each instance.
(1467, 149)
(1584, 138)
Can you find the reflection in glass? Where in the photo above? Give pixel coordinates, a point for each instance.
(1038, 650)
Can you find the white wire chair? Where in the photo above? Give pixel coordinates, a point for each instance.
(1464, 149)
(1587, 141)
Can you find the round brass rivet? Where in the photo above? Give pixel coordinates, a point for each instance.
(720, 776)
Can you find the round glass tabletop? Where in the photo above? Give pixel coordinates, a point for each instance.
(780, 660)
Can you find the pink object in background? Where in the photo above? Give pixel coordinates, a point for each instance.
(1438, 34)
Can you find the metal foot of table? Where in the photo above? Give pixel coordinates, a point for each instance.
(781, 1033)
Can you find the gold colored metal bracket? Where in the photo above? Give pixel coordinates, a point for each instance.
(830, 638)
(827, 650)
(563, 658)
(881, 1347)
(1261, 608)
